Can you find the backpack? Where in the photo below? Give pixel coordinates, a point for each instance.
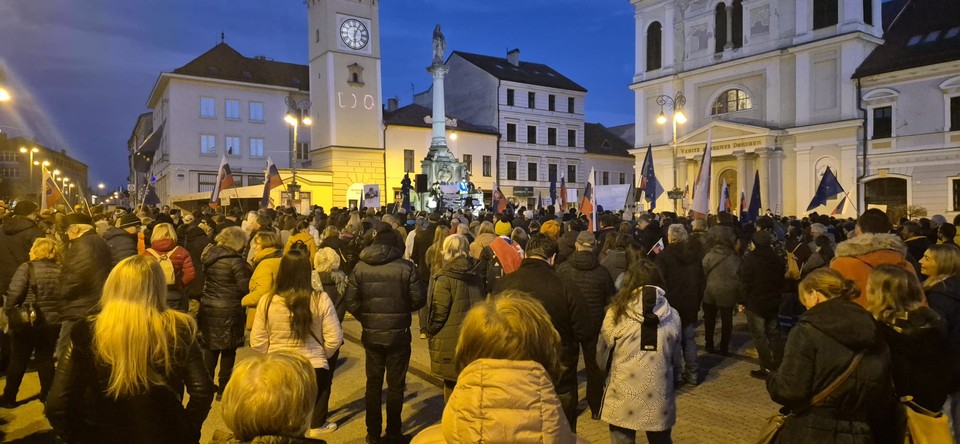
(169, 273)
(793, 266)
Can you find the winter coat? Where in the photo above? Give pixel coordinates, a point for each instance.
(307, 240)
(334, 284)
(595, 285)
(266, 265)
(453, 290)
(41, 290)
(122, 244)
(944, 298)
(272, 331)
(615, 261)
(477, 246)
(81, 412)
(502, 401)
(639, 394)
(491, 263)
(17, 234)
(920, 361)
(195, 240)
(858, 256)
(221, 317)
(818, 350)
(86, 264)
(383, 289)
(721, 265)
(421, 242)
(761, 282)
(682, 271)
(567, 244)
(183, 268)
(650, 235)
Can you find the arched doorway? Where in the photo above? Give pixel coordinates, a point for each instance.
(889, 191)
(730, 176)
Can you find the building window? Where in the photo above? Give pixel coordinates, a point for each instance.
(232, 145)
(654, 40)
(736, 25)
(623, 178)
(551, 136)
(208, 144)
(407, 161)
(825, 13)
(303, 150)
(731, 100)
(572, 138)
(317, 32)
(571, 173)
(511, 132)
(255, 180)
(205, 182)
(531, 134)
(532, 171)
(955, 113)
(882, 122)
(606, 178)
(956, 194)
(256, 111)
(531, 100)
(552, 172)
(208, 107)
(468, 161)
(570, 102)
(511, 170)
(720, 26)
(868, 12)
(487, 161)
(231, 109)
(552, 102)
(256, 147)
(510, 94)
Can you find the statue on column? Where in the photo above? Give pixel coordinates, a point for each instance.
(439, 45)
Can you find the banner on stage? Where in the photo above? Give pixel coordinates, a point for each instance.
(371, 196)
(612, 197)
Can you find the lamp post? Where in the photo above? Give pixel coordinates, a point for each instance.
(674, 104)
(295, 118)
(32, 151)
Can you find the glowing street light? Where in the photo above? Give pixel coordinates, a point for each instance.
(295, 118)
(5, 95)
(675, 104)
(32, 151)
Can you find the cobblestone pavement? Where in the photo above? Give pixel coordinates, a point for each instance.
(727, 407)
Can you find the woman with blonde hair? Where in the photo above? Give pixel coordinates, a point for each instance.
(112, 385)
(941, 263)
(434, 261)
(266, 263)
(175, 262)
(452, 291)
(34, 286)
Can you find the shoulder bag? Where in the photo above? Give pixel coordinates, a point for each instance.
(24, 314)
(926, 427)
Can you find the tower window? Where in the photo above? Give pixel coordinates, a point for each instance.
(654, 40)
(825, 13)
(868, 12)
(355, 72)
(736, 24)
(720, 18)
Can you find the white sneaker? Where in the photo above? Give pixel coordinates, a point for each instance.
(327, 427)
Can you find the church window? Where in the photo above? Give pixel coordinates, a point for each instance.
(730, 101)
(720, 18)
(355, 72)
(825, 13)
(736, 24)
(654, 41)
(868, 12)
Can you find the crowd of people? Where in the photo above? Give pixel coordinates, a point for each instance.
(128, 314)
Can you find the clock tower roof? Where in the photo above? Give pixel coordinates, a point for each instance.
(225, 63)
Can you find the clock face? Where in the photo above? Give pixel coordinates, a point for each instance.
(354, 34)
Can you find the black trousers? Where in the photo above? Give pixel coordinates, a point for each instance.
(227, 359)
(710, 313)
(393, 361)
(323, 398)
(567, 385)
(41, 341)
(594, 377)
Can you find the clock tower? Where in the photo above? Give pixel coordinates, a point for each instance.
(347, 134)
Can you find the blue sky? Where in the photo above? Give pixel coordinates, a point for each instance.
(82, 70)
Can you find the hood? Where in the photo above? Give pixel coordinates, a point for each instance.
(716, 255)
(949, 287)
(113, 232)
(17, 224)
(266, 253)
(583, 260)
(635, 308)
(918, 322)
(214, 253)
(163, 245)
(868, 243)
(845, 322)
(378, 254)
(463, 268)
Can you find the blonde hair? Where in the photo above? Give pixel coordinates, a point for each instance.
(330, 231)
(510, 325)
(270, 394)
(487, 227)
(135, 333)
(892, 291)
(436, 262)
(326, 260)
(677, 233)
(947, 260)
(232, 237)
(830, 283)
(43, 248)
(267, 239)
(455, 246)
(163, 231)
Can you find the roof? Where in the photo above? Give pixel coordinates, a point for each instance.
(598, 139)
(927, 32)
(626, 132)
(413, 115)
(527, 72)
(225, 63)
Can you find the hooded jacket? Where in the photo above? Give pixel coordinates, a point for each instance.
(615, 261)
(383, 290)
(86, 264)
(761, 281)
(266, 265)
(221, 318)
(721, 265)
(567, 244)
(595, 284)
(944, 298)
(455, 289)
(819, 349)
(122, 244)
(922, 364)
(683, 272)
(17, 234)
(42, 290)
(858, 256)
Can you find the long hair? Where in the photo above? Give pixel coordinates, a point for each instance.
(135, 333)
(947, 260)
(642, 272)
(891, 292)
(455, 246)
(436, 261)
(295, 287)
(830, 283)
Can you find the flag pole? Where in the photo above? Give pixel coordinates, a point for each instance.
(237, 194)
(54, 182)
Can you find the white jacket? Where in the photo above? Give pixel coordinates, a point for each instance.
(279, 336)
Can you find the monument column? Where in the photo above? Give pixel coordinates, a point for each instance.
(439, 139)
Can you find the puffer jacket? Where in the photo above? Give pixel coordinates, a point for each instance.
(595, 284)
(195, 240)
(86, 264)
(615, 261)
(183, 271)
(334, 284)
(920, 359)
(858, 256)
(16, 237)
(567, 244)
(221, 317)
(501, 401)
(266, 265)
(383, 290)
(818, 350)
(122, 244)
(453, 290)
(637, 374)
(944, 298)
(721, 265)
(761, 282)
(683, 272)
(41, 291)
(477, 246)
(272, 332)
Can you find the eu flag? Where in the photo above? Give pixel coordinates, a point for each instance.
(829, 187)
(648, 180)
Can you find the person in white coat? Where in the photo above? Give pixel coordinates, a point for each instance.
(297, 318)
(639, 346)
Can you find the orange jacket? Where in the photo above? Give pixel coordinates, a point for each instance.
(858, 256)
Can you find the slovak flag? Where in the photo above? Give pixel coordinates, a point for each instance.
(499, 200)
(724, 197)
(657, 247)
(224, 181)
(51, 193)
(587, 205)
(563, 192)
(271, 180)
(743, 204)
(840, 207)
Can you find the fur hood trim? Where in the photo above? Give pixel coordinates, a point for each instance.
(870, 242)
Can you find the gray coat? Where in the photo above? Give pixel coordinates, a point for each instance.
(721, 265)
(454, 290)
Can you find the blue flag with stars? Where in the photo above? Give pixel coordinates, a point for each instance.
(648, 180)
(829, 188)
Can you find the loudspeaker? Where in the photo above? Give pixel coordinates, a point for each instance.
(422, 185)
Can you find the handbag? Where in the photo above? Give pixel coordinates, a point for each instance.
(26, 314)
(770, 430)
(926, 427)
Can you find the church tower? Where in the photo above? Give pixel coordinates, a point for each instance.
(347, 138)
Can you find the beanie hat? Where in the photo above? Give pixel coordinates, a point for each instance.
(586, 238)
(77, 218)
(503, 228)
(24, 208)
(129, 220)
(551, 228)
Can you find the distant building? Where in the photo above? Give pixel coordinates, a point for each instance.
(15, 180)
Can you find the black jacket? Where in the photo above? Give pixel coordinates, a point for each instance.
(195, 240)
(921, 363)
(454, 289)
(16, 237)
(944, 298)
(383, 289)
(80, 411)
(334, 283)
(226, 280)
(421, 242)
(42, 290)
(122, 244)
(567, 244)
(650, 235)
(682, 268)
(818, 350)
(86, 264)
(595, 285)
(761, 282)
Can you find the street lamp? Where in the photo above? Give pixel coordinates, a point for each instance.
(295, 118)
(32, 151)
(4, 94)
(674, 104)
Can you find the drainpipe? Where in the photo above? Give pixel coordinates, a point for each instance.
(861, 190)
(499, 138)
